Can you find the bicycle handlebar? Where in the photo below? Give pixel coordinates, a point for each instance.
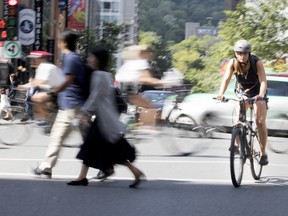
(224, 100)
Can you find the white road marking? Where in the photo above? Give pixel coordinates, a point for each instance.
(65, 177)
(263, 181)
(143, 161)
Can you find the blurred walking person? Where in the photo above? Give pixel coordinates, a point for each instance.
(5, 105)
(105, 144)
(135, 73)
(70, 99)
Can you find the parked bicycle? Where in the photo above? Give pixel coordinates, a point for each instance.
(244, 143)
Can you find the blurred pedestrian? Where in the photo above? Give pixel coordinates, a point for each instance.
(28, 106)
(70, 100)
(47, 77)
(5, 105)
(136, 72)
(14, 82)
(104, 145)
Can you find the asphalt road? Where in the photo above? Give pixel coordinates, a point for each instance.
(198, 184)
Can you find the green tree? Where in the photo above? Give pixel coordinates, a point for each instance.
(263, 23)
(108, 37)
(167, 17)
(189, 57)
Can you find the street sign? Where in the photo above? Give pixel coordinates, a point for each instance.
(26, 32)
(12, 49)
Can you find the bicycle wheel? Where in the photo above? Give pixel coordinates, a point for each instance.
(138, 135)
(212, 125)
(15, 132)
(278, 142)
(256, 168)
(183, 139)
(237, 158)
(214, 132)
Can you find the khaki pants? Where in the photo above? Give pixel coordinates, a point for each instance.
(60, 130)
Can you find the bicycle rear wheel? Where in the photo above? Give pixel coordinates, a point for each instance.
(256, 168)
(237, 157)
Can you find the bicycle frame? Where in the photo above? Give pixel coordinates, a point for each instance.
(247, 125)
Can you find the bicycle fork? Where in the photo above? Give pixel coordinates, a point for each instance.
(246, 145)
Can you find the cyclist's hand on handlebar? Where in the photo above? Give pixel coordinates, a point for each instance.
(220, 97)
(258, 98)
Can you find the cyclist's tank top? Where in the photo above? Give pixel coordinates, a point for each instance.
(250, 83)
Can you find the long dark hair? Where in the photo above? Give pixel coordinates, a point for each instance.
(103, 55)
(238, 70)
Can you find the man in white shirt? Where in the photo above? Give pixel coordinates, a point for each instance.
(47, 77)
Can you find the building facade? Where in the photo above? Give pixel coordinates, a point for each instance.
(116, 11)
(194, 28)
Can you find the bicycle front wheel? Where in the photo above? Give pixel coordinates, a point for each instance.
(256, 168)
(237, 157)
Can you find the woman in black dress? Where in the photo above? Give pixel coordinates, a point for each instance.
(104, 145)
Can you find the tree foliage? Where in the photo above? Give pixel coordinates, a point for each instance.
(263, 23)
(108, 37)
(167, 17)
(189, 57)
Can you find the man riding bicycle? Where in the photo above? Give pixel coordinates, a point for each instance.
(251, 80)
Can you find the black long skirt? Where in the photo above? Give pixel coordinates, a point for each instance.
(98, 153)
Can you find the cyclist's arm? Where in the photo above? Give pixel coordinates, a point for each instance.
(69, 78)
(145, 77)
(226, 79)
(38, 82)
(262, 79)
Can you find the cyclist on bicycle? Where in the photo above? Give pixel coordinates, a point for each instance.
(251, 80)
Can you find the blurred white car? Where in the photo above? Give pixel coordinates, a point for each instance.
(197, 108)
